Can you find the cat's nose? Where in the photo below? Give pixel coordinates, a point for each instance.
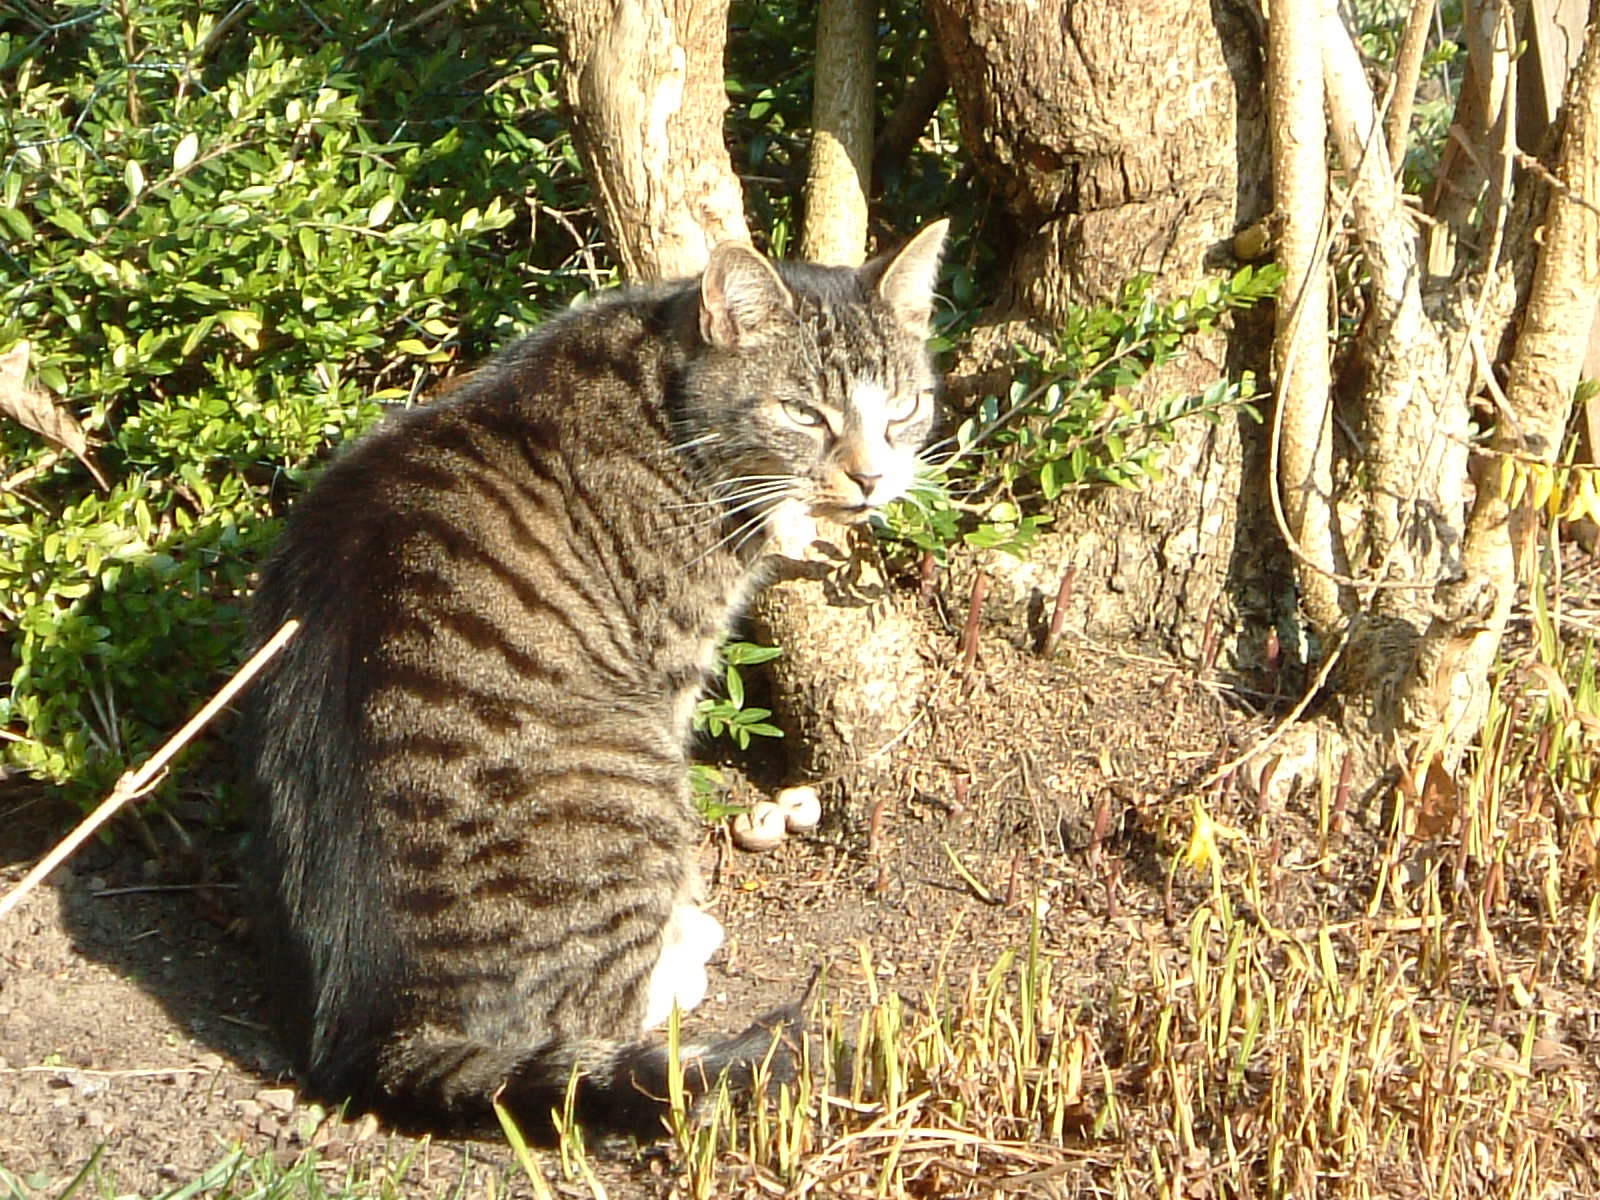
(865, 482)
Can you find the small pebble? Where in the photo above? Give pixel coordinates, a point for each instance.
(762, 828)
(281, 1099)
(802, 808)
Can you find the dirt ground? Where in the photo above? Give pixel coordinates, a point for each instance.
(130, 1010)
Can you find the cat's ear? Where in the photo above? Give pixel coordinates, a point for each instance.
(907, 280)
(742, 297)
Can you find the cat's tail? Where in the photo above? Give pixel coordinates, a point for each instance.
(451, 1085)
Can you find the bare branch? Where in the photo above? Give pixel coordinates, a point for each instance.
(1303, 427)
(1407, 70)
(1555, 323)
(1385, 235)
(904, 126)
(134, 784)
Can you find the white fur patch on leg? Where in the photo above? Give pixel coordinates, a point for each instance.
(689, 940)
(790, 529)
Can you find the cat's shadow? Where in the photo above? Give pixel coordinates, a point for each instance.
(172, 929)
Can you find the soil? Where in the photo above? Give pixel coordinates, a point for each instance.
(131, 1032)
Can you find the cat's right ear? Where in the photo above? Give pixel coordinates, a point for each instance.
(742, 297)
(909, 278)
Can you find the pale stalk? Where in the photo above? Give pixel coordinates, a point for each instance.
(1303, 428)
(133, 784)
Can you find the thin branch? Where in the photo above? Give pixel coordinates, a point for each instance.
(1386, 237)
(134, 784)
(1407, 70)
(1302, 425)
(903, 127)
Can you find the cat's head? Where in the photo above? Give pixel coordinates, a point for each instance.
(814, 384)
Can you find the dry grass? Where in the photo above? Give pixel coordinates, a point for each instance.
(1314, 1009)
(1410, 1012)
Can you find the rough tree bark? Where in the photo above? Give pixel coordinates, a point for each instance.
(644, 87)
(1117, 138)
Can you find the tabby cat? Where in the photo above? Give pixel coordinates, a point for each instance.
(476, 851)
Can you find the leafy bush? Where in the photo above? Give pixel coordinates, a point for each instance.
(1067, 422)
(228, 244)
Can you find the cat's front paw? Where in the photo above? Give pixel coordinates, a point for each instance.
(691, 937)
(790, 529)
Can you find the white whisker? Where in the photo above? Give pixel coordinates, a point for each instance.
(705, 439)
(739, 498)
(741, 533)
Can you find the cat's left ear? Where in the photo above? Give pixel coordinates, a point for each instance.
(742, 297)
(908, 279)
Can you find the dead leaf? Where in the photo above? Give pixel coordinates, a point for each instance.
(1440, 804)
(39, 412)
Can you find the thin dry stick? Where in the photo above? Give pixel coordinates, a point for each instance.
(1407, 70)
(969, 636)
(135, 783)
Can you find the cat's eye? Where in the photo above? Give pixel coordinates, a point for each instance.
(802, 414)
(904, 407)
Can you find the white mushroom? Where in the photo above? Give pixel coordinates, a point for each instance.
(802, 808)
(761, 828)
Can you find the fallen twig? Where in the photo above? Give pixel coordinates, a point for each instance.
(134, 784)
(969, 635)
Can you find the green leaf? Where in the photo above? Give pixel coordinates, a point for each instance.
(746, 654)
(244, 325)
(184, 154)
(1050, 479)
(18, 223)
(70, 222)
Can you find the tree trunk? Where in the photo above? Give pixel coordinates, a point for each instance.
(1121, 138)
(1435, 545)
(1302, 417)
(644, 87)
(1445, 695)
(841, 134)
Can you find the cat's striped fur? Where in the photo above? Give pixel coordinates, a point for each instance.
(476, 852)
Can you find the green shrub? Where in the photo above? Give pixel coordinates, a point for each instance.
(228, 245)
(1067, 422)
